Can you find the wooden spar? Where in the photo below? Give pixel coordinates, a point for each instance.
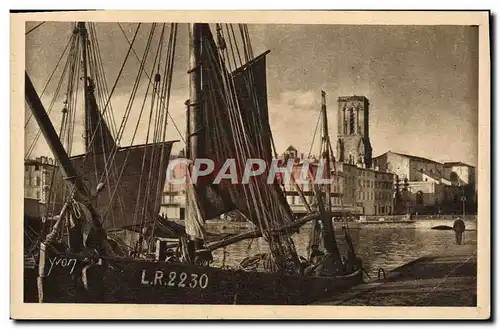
(325, 149)
(194, 112)
(194, 120)
(52, 139)
(88, 132)
(328, 235)
(290, 228)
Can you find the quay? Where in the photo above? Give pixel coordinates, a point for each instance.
(447, 279)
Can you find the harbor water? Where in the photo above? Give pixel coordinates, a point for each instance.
(378, 247)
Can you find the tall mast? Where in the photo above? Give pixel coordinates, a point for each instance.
(328, 235)
(194, 120)
(325, 149)
(83, 38)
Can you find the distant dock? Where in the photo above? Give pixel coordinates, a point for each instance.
(448, 279)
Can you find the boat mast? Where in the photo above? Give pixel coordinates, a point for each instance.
(328, 235)
(194, 120)
(325, 149)
(83, 37)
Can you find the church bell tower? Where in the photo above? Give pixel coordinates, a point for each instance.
(353, 141)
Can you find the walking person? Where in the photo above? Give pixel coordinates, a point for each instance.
(459, 228)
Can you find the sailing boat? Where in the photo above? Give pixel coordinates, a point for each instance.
(227, 118)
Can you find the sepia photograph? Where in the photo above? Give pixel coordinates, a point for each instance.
(323, 160)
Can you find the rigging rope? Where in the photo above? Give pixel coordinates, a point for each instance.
(51, 75)
(181, 135)
(248, 135)
(54, 98)
(160, 100)
(34, 28)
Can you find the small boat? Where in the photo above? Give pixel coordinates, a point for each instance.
(442, 228)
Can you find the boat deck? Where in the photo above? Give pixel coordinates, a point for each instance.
(448, 279)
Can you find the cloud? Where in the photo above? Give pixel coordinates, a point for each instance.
(298, 100)
(294, 116)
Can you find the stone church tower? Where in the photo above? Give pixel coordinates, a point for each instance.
(353, 143)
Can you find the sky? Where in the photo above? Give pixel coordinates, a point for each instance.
(421, 81)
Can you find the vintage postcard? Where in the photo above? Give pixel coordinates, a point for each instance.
(292, 165)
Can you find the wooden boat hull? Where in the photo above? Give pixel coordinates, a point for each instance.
(145, 282)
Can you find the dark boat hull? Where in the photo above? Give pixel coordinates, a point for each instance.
(131, 281)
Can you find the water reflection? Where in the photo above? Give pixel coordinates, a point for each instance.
(378, 247)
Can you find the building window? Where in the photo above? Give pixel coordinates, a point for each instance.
(351, 121)
(38, 195)
(38, 181)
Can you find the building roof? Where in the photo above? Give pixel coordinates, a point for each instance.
(417, 158)
(291, 148)
(352, 98)
(413, 157)
(457, 164)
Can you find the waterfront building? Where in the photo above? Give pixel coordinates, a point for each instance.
(366, 191)
(392, 183)
(428, 186)
(173, 203)
(354, 189)
(38, 174)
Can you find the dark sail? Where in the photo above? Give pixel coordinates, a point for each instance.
(250, 82)
(134, 176)
(99, 138)
(134, 183)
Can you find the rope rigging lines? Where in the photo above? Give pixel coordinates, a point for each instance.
(236, 122)
(34, 28)
(157, 116)
(249, 135)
